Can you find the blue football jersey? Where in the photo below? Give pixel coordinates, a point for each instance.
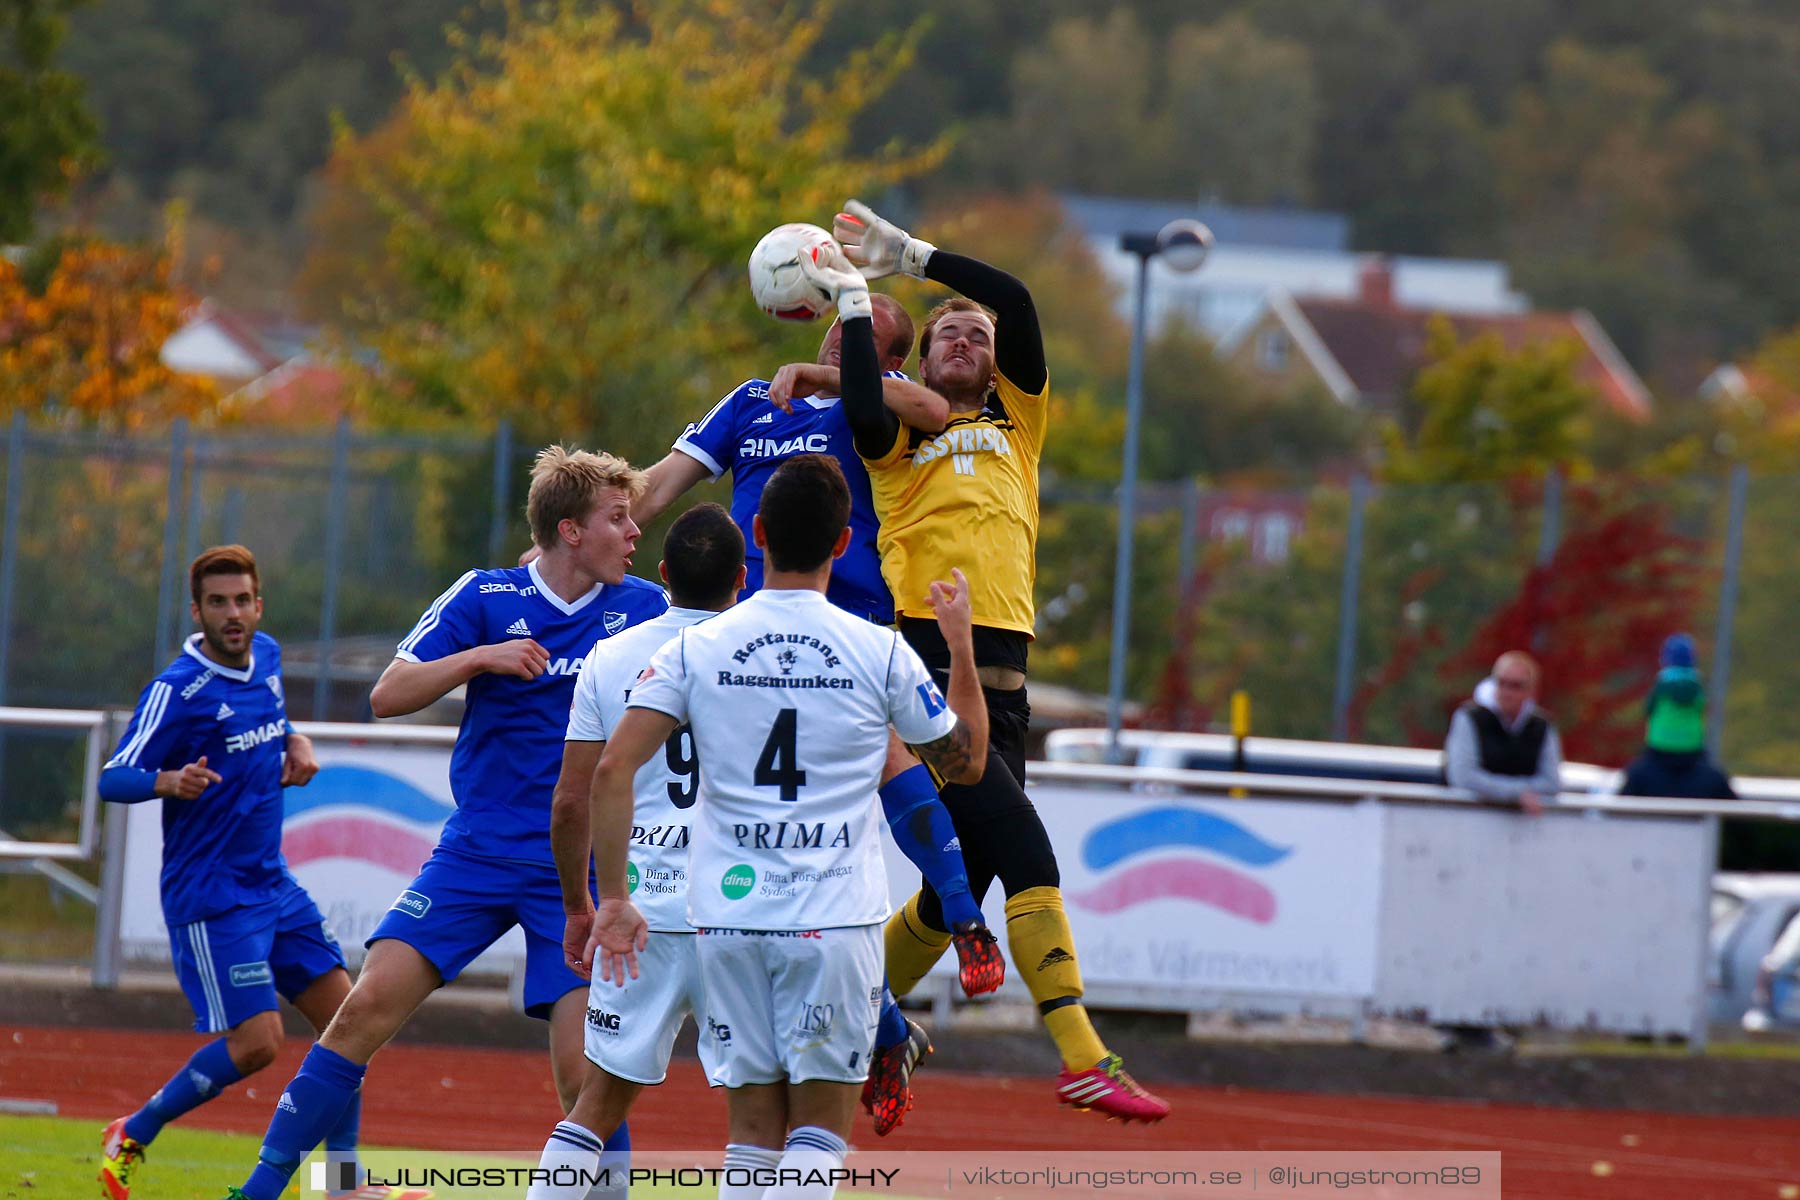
(509, 750)
(222, 849)
(748, 436)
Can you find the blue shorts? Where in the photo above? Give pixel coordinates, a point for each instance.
(461, 904)
(231, 966)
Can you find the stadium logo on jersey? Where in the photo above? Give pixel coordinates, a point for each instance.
(412, 903)
(252, 738)
(614, 621)
(201, 680)
(489, 588)
(812, 443)
(251, 974)
(1133, 855)
(605, 1022)
(737, 882)
(519, 628)
(224, 712)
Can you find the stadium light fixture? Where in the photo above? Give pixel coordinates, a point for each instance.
(1183, 246)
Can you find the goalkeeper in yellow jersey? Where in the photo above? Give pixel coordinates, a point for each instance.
(968, 497)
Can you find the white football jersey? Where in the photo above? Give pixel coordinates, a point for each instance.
(790, 699)
(666, 786)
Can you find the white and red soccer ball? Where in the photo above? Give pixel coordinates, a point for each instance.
(780, 287)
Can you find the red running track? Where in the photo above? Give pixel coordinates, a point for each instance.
(443, 1097)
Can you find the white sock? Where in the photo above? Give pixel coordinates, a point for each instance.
(810, 1149)
(741, 1160)
(573, 1153)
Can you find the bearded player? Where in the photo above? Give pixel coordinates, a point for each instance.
(969, 496)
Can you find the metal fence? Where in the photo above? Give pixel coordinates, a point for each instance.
(1364, 612)
(1345, 609)
(354, 533)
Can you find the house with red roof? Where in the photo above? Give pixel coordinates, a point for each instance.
(1364, 350)
(261, 366)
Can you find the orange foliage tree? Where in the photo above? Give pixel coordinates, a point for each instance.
(87, 347)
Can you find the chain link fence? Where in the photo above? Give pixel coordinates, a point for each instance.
(1366, 612)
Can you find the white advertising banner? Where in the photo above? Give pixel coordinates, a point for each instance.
(1173, 896)
(1172, 899)
(354, 837)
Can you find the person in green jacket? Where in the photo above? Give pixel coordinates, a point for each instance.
(1674, 761)
(1677, 706)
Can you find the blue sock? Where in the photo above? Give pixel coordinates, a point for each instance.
(616, 1161)
(923, 831)
(310, 1107)
(340, 1143)
(890, 1029)
(206, 1074)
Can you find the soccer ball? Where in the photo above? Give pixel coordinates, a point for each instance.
(781, 288)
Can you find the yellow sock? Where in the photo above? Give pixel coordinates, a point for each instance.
(913, 947)
(1043, 951)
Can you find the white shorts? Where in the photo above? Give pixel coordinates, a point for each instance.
(793, 1006)
(630, 1030)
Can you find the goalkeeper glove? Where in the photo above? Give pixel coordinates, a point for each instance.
(878, 246)
(827, 266)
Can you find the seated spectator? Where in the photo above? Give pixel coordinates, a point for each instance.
(1501, 746)
(1674, 761)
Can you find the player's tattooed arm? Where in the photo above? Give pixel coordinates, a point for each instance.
(953, 755)
(951, 602)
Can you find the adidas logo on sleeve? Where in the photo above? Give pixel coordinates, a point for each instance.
(519, 628)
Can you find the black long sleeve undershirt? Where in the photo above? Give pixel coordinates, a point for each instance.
(873, 425)
(1018, 347)
(1018, 342)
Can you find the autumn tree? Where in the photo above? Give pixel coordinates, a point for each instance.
(565, 214)
(1482, 411)
(1242, 114)
(47, 136)
(86, 346)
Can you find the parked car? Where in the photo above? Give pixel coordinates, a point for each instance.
(1775, 996)
(1750, 914)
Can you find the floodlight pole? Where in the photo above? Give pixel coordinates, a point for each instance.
(1187, 242)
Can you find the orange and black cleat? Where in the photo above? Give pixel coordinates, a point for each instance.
(980, 967)
(887, 1094)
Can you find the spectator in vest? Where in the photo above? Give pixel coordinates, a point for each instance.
(1674, 761)
(1501, 746)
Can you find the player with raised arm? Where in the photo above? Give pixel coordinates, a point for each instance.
(630, 1032)
(750, 432)
(516, 638)
(210, 737)
(970, 495)
(790, 700)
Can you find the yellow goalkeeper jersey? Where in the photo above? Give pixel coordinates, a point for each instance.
(966, 497)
